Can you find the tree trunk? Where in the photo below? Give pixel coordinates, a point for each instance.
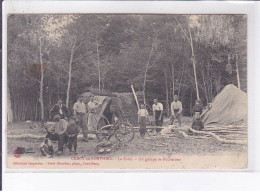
(9, 108)
(144, 85)
(41, 83)
(167, 92)
(69, 80)
(98, 64)
(173, 81)
(238, 78)
(194, 65)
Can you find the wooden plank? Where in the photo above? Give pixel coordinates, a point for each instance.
(136, 100)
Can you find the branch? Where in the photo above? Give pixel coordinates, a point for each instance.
(64, 69)
(182, 30)
(81, 42)
(94, 61)
(79, 58)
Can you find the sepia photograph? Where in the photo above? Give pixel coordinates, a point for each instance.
(127, 91)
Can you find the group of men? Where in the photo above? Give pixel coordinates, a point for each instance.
(176, 111)
(176, 114)
(66, 128)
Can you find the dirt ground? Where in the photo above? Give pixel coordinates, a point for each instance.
(159, 145)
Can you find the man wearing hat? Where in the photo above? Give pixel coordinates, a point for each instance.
(59, 108)
(80, 110)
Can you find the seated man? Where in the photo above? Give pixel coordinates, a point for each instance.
(57, 132)
(197, 123)
(197, 107)
(59, 108)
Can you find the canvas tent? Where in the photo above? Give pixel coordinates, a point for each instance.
(228, 107)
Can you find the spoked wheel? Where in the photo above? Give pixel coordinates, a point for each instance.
(104, 133)
(125, 133)
(103, 129)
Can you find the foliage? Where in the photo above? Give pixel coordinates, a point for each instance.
(111, 52)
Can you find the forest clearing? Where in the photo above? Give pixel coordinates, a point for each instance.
(127, 85)
(168, 145)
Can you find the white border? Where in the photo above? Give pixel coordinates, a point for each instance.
(191, 180)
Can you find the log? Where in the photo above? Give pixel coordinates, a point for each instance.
(150, 127)
(31, 136)
(225, 127)
(218, 138)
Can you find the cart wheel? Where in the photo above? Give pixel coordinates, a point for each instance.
(104, 133)
(103, 121)
(125, 133)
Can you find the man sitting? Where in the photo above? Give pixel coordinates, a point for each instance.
(57, 132)
(197, 123)
(59, 108)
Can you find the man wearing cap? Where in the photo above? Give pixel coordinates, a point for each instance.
(158, 114)
(80, 110)
(176, 110)
(59, 108)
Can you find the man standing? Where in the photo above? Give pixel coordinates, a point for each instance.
(59, 108)
(176, 109)
(158, 114)
(80, 115)
(92, 106)
(57, 132)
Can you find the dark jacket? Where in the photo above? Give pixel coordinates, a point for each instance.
(72, 129)
(197, 125)
(56, 109)
(197, 108)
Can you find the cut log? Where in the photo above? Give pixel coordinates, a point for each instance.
(30, 136)
(241, 142)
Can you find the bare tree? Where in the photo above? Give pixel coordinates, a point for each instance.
(190, 41)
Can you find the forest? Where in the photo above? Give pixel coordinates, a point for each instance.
(53, 56)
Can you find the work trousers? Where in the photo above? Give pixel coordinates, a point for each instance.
(83, 123)
(142, 122)
(158, 121)
(72, 142)
(177, 116)
(62, 139)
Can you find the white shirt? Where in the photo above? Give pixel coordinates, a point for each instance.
(80, 107)
(60, 109)
(143, 113)
(157, 106)
(176, 106)
(92, 106)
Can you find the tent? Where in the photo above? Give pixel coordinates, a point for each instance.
(228, 107)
